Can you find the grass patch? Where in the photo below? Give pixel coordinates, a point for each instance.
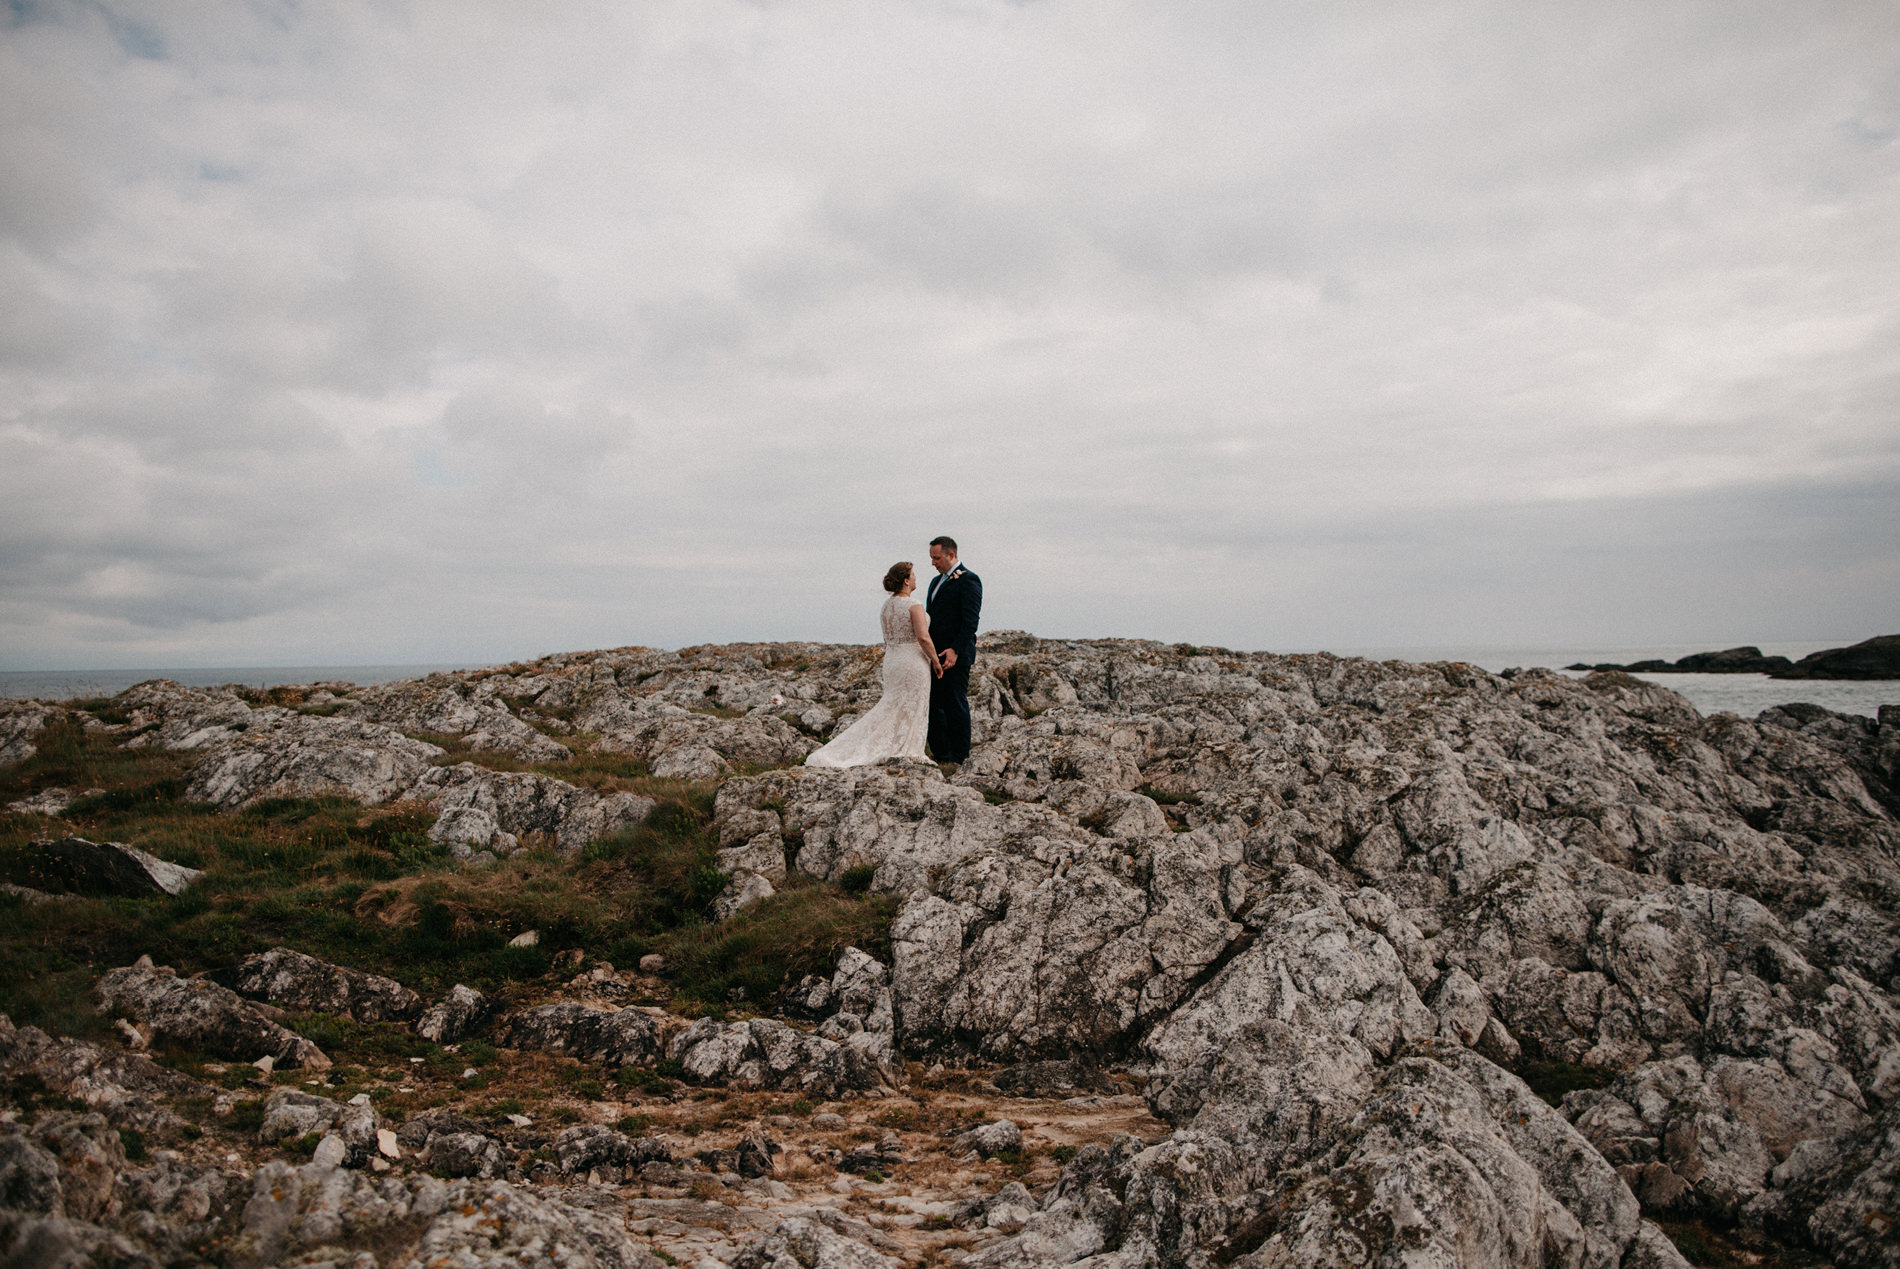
(857, 879)
(365, 887)
(1164, 798)
(798, 931)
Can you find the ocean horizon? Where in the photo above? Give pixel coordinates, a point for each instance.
(1743, 694)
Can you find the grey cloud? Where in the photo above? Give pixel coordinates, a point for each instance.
(336, 333)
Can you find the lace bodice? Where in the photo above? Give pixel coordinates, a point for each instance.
(896, 619)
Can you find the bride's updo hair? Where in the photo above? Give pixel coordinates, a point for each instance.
(894, 580)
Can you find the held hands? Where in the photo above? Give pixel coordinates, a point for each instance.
(949, 658)
(936, 667)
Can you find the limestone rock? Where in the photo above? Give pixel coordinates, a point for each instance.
(799, 1243)
(294, 1114)
(20, 725)
(203, 1016)
(249, 754)
(460, 1013)
(764, 1053)
(587, 1146)
(121, 1086)
(479, 808)
(620, 1037)
(75, 864)
(997, 1137)
(293, 980)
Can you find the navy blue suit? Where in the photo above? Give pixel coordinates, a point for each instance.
(953, 602)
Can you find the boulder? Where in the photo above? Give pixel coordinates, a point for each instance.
(293, 1114)
(293, 980)
(614, 1037)
(75, 864)
(765, 1053)
(124, 1087)
(202, 1016)
(460, 1013)
(463, 1154)
(587, 1146)
(20, 725)
(807, 1244)
(310, 1215)
(477, 808)
(1000, 1136)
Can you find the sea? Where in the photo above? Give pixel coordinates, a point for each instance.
(1743, 694)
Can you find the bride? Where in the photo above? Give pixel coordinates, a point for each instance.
(896, 725)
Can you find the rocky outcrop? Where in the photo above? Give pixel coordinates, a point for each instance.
(1746, 659)
(1326, 903)
(124, 1087)
(1876, 658)
(460, 1013)
(251, 753)
(587, 1147)
(479, 809)
(312, 1214)
(201, 1015)
(807, 1244)
(454, 705)
(612, 1037)
(765, 1053)
(293, 980)
(20, 725)
(75, 864)
(293, 1114)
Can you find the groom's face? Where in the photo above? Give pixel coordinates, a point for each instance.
(941, 560)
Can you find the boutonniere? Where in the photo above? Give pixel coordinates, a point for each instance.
(955, 573)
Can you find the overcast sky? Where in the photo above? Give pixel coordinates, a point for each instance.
(337, 333)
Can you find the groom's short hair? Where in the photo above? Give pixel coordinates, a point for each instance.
(947, 543)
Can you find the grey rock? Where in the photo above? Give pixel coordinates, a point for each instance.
(463, 1154)
(996, 1137)
(587, 1146)
(620, 1037)
(124, 1087)
(312, 1214)
(765, 1053)
(29, 1176)
(294, 1114)
(293, 980)
(73, 863)
(460, 1013)
(204, 1016)
(799, 1243)
(20, 725)
(483, 808)
(248, 754)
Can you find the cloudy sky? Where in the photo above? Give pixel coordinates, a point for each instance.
(360, 332)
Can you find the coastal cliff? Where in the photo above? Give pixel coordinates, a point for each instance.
(1203, 958)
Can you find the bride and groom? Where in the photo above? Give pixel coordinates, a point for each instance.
(929, 646)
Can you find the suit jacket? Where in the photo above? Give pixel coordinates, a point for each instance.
(953, 611)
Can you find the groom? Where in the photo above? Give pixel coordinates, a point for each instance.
(953, 601)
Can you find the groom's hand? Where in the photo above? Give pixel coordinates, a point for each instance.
(949, 657)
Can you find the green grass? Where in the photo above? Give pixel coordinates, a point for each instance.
(365, 887)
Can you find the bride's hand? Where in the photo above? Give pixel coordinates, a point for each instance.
(936, 667)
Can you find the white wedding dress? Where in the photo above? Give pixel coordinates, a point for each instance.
(896, 725)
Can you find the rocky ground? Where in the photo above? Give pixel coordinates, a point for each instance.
(1203, 958)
